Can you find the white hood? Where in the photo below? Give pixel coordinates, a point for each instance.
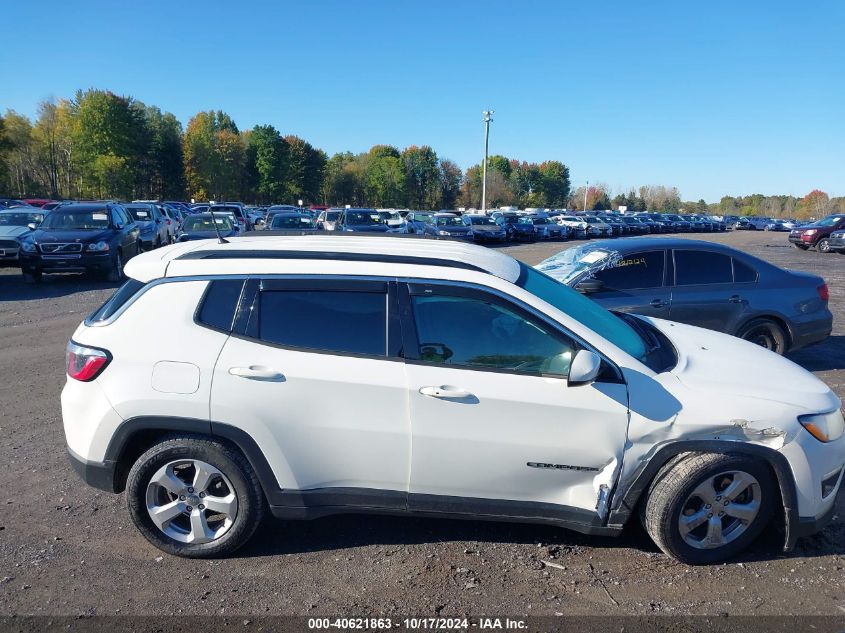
(724, 365)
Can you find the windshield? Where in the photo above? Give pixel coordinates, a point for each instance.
(227, 209)
(20, 219)
(830, 221)
(425, 219)
(76, 220)
(591, 219)
(332, 216)
(583, 310)
(449, 221)
(363, 218)
(224, 223)
(569, 264)
(141, 214)
(482, 222)
(292, 222)
(541, 221)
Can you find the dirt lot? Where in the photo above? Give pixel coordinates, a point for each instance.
(69, 549)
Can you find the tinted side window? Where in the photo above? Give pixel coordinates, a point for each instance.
(637, 270)
(477, 334)
(326, 320)
(219, 304)
(702, 267)
(743, 273)
(117, 300)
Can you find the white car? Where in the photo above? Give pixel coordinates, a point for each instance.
(297, 374)
(577, 226)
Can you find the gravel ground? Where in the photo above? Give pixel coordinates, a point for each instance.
(66, 549)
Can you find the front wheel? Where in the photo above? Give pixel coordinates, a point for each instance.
(709, 506)
(194, 497)
(34, 277)
(823, 246)
(116, 272)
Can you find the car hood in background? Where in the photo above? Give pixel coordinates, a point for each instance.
(14, 231)
(368, 228)
(45, 237)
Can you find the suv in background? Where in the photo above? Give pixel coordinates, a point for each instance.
(296, 373)
(818, 233)
(153, 225)
(81, 237)
(237, 209)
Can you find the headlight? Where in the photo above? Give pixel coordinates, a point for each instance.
(29, 247)
(811, 232)
(98, 247)
(443, 233)
(825, 427)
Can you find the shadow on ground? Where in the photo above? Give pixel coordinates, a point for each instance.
(14, 288)
(828, 355)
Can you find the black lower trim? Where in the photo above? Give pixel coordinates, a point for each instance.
(97, 474)
(806, 526)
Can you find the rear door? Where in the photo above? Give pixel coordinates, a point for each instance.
(313, 375)
(636, 283)
(704, 293)
(495, 427)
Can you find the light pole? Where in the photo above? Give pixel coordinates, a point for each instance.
(488, 116)
(586, 189)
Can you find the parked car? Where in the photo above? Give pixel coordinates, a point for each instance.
(779, 225)
(663, 223)
(81, 237)
(361, 221)
(818, 233)
(14, 224)
(697, 224)
(8, 203)
(617, 227)
(577, 227)
(546, 229)
(328, 218)
(700, 283)
(279, 208)
(596, 227)
(519, 228)
(638, 226)
(483, 228)
(394, 220)
(298, 385)
(758, 223)
(836, 242)
(172, 221)
(238, 211)
(153, 225)
(295, 221)
(416, 221)
(201, 226)
(447, 225)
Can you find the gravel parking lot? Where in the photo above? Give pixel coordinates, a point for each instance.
(68, 549)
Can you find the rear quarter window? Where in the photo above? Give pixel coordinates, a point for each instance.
(121, 296)
(219, 303)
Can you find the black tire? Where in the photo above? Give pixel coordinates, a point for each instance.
(116, 272)
(803, 247)
(230, 462)
(823, 245)
(766, 333)
(670, 493)
(35, 277)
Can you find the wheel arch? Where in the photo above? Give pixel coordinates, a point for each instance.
(629, 495)
(136, 435)
(779, 319)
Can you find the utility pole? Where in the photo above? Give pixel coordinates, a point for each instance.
(586, 189)
(488, 116)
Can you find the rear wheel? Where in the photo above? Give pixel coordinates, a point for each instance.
(194, 497)
(116, 272)
(709, 507)
(823, 246)
(766, 333)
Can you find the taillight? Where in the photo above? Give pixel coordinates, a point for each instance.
(85, 363)
(168, 220)
(824, 293)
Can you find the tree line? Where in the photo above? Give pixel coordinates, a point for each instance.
(102, 145)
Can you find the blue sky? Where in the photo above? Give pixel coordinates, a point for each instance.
(714, 98)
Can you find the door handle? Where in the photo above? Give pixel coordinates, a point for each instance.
(735, 299)
(446, 392)
(257, 372)
(658, 303)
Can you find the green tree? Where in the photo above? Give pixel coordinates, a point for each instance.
(305, 173)
(386, 181)
(211, 154)
(450, 184)
(270, 154)
(422, 177)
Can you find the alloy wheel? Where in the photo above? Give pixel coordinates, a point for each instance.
(191, 501)
(720, 509)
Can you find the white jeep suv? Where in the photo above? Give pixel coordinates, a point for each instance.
(313, 375)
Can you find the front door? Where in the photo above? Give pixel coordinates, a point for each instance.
(495, 428)
(635, 283)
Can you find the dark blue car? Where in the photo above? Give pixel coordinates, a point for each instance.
(200, 226)
(361, 221)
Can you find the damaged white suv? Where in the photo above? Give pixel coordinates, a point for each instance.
(313, 375)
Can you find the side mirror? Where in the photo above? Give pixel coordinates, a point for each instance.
(584, 368)
(589, 285)
(32, 226)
